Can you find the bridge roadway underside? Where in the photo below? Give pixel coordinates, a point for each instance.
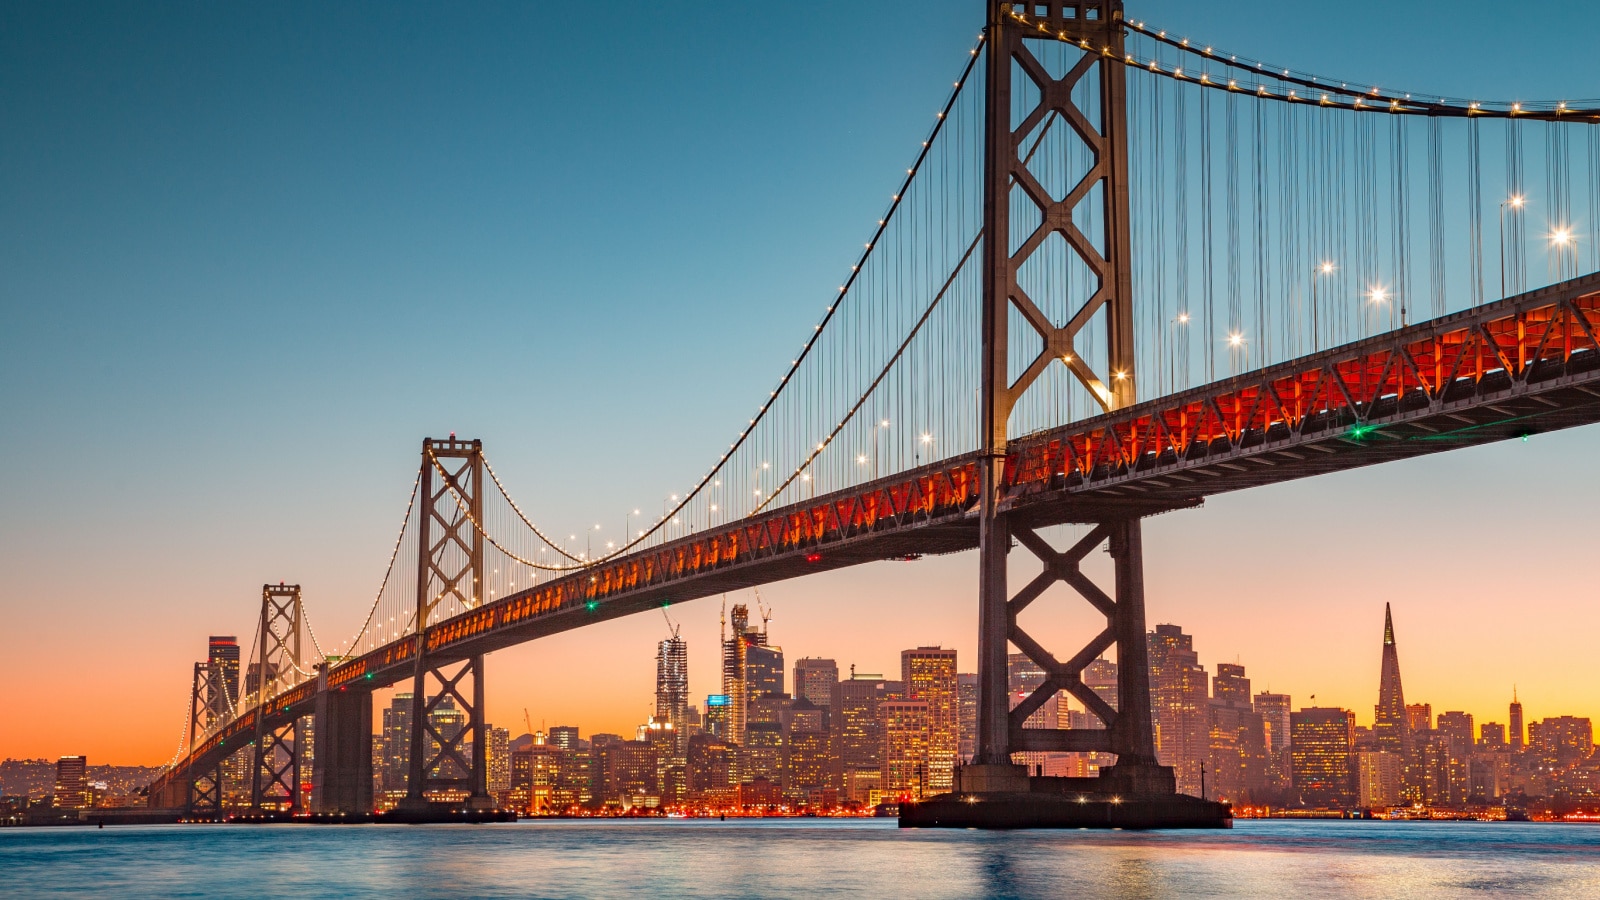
(1509, 369)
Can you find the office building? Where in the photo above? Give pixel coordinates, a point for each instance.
(814, 681)
(1390, 729)
(72, 782)
(905, 748)
(1321, 746)
(966, 716)
(1379, 774)
(929, 674)
(1180, 705)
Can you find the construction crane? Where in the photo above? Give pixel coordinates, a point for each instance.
(528, 719)
(670, 626)
(761, 607)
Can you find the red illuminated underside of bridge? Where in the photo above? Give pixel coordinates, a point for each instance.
(1520, 366)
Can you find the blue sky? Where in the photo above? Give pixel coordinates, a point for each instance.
(250, 257)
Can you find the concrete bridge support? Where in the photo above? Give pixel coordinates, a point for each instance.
(341, 768)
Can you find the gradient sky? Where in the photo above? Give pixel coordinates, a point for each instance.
(249, 258)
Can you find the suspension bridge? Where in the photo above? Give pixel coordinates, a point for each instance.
(1124, 271)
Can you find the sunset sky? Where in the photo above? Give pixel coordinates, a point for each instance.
(251, 257)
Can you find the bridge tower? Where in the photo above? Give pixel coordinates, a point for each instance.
(204, 790)
(1095, 83)
(449, 575)
(279, 664)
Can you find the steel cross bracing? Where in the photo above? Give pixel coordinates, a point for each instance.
(1521, 366)
(449, 569)
(275, 763)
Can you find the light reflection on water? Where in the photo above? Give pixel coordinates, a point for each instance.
(801, 858)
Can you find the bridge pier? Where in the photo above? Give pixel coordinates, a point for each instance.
(341, 767)
(994, 792)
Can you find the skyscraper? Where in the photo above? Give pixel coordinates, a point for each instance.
(397, 742)
(858, 734)
(905, 747)
(763, 671)
(967, 715)
(1180, 705)
(1322, 750)
(929, 674)
(72, 783)
(1274, 710)
(1516, 722)
(223, 655)
(1390, 731)
(814, 680)
(672, 686)
(736, 670)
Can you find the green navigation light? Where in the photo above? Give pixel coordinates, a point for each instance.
(592, 605)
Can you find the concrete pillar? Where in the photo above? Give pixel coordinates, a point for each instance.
(341, 771)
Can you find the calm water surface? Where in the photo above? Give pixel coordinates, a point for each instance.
(801, 858)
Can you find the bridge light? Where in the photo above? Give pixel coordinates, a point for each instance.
(927, 438)
(1517, 200)
(592, 605)
(1561, 237)
(813, 557)
(1326, 268)
(1235, 339)
(1183, 318)
(1378, 295)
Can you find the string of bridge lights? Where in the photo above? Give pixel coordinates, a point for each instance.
(1360, 97)
(388, 571)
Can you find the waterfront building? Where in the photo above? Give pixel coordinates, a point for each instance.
(711, 772)
(72, 782)
(929, 674)
(1379, 774)
(1180, 705)
(1321, 745)
(905, 748)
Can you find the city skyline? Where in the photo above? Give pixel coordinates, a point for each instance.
(183, 562)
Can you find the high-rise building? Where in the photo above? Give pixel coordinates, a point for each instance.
(858, 735)
(1561, 741)
(447, 721)
(1389, 723)
(1457, 726)
(1516, 723)
(905, 748)
(1379, 774)
(72, 782)
(967, 715)
(1492, 736)
(808, 750)
(719, 717)
(814, 681)
(711, 769)
(1239, 761)
(738, 671)
(497, 756)
(564, 737)
(1419, 717)
(1023, 677)
(1100, 676)
(222, 654)
(397, 742)
(763, 672)
(1322, 744)
(1180, 705)
(1274, 710)
(672, 687)
(930, 676)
